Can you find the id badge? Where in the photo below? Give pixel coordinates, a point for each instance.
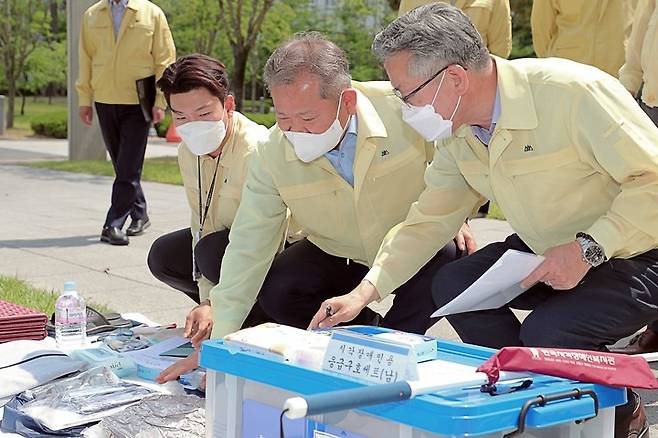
(196, 273)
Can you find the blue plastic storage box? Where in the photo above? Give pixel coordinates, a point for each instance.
(246, 392)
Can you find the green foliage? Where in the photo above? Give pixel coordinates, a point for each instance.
(46, 65)
(23, 23)
(521, 31)
(161, 128)
(195, 27)
(352, 24)
(356, 23)
(268, 119)
(50, 125)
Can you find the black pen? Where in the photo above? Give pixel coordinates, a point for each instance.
(328, 312)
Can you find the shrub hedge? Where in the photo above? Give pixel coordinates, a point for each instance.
(50, 125)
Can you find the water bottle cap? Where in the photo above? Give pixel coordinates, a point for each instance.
(69, 286)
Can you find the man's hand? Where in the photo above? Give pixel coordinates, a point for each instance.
(345, 307)
(86, 114)
(157, 114)
(180, 367)
(563, 268)
(465, 239)
(198, 323)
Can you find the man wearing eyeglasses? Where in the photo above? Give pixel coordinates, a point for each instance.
(570, 158)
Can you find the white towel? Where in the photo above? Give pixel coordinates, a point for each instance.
(28, 364)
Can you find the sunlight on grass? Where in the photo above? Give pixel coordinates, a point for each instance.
(20, 292)
(162, 170)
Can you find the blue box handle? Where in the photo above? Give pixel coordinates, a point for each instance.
(541, 400)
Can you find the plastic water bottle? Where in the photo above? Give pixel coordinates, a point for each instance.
(70, 319)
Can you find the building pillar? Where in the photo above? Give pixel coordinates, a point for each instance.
(85, 142)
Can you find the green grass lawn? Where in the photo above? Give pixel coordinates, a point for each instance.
(20, 292)
(162, 170)
(495, 212)
(33, 109)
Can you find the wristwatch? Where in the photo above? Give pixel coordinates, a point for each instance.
(593, 253)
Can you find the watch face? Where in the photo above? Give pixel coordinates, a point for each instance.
(595, 255)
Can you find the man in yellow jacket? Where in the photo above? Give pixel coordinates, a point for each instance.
(592, 32)
(122, 41)
(570, 158)
(492, 18)
(639, 75)
(347, 168)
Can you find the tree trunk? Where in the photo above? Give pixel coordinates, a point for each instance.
(54, 17)
(239, 70)
(22, 104)
(11, 98)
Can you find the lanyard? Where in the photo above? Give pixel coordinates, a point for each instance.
(203, 212)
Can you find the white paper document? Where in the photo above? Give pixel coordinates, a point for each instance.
(499, 285)
(150, 357)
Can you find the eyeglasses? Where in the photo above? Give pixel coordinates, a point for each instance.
(406, 98)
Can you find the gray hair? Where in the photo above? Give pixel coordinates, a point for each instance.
(436, 35)
(309, 52)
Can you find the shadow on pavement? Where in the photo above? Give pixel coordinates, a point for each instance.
(59, 242)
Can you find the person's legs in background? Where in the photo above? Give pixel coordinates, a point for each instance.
(125, 133)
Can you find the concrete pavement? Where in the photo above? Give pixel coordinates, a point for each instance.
(50, 224)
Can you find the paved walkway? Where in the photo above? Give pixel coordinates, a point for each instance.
(50, 224)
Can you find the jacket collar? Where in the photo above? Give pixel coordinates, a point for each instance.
(517, 104)
(132, 4)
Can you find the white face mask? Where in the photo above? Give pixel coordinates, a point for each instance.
(203, 136)
(309, 147)
(426, 121)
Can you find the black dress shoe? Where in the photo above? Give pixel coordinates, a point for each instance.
(137, 226)
(113, 236)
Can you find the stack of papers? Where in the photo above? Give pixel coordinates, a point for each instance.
(18, 322)
(499, 285)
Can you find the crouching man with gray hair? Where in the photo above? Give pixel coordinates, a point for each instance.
(570, 158)
(347, 168)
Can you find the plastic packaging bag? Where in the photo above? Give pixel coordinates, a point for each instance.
(586, 366)
(164, 416)
(85, 398)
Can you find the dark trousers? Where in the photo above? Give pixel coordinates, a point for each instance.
(613, 301)
(303, 276)
(652, 112)
(125, 133)
(170, 261)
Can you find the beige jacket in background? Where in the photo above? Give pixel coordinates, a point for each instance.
(572, 152)
(491, 18)
(641, 64)
(109, 67)
(591, 32)
(342, 220)
(231, 175)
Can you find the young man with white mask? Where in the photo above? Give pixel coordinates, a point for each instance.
(213, 157)
(570, 158)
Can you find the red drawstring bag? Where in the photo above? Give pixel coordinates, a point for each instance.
(586, 366)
